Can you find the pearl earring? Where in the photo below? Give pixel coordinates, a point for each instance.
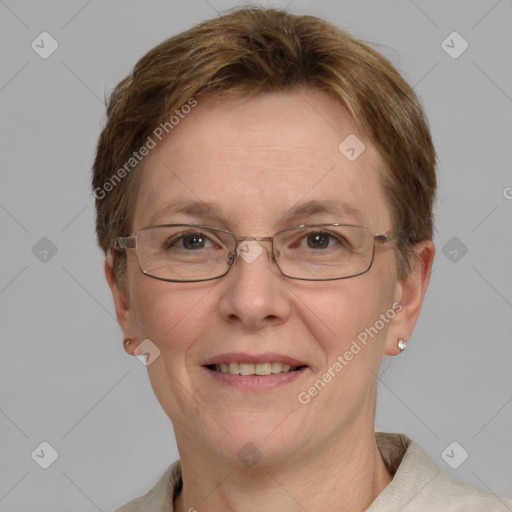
(402, 344)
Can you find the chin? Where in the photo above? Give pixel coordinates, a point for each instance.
(258, 439)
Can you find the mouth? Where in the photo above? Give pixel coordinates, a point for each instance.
(254, 372)
(260, 369)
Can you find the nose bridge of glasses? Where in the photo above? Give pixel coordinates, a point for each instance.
(232, 256)
(241, 239)
(254, 238)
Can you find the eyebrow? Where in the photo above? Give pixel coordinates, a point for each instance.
(338, 208)
(211, 212)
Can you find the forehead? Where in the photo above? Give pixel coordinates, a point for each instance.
(253, 162)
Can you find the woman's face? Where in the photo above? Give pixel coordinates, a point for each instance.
(254, 162)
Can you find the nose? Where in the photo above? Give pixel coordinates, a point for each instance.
(254, 294)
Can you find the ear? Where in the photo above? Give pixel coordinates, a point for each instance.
(410, 293)
(124, 312)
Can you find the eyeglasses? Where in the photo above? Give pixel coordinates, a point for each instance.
(192, 252)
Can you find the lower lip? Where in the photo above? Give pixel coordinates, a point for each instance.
(256, 382)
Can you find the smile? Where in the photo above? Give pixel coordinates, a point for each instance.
(260, 369)
(254, 372)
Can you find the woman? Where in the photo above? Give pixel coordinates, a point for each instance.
(264, 188)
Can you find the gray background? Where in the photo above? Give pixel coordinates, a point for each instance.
(65, 378)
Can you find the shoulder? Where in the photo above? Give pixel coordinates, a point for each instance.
(419, 485)
(161, 496)
(464, 497)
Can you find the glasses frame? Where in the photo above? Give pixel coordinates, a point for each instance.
(130, 242)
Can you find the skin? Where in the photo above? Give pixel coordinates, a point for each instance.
(256, 159)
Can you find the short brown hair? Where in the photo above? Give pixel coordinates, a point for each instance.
(252, 51)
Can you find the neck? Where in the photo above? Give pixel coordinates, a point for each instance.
(346, 475)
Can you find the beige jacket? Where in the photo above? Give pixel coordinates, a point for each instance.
(418, 485)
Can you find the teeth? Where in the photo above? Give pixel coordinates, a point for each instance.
(253, 369)
(276, 367)
(262, 369)
(246, 369)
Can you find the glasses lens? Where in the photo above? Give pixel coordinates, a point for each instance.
(324, 252)
(184, 253)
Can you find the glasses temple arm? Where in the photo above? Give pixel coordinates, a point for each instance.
(386, 237)
(126, 242)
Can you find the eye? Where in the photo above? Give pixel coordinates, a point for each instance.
(189, 241)
(318, 240)
(323, 240)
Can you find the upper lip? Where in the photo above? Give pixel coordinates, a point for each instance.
(241, 357)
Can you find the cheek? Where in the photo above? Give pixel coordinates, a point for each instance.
(173, 318)
(351, 317)
(171, 315)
